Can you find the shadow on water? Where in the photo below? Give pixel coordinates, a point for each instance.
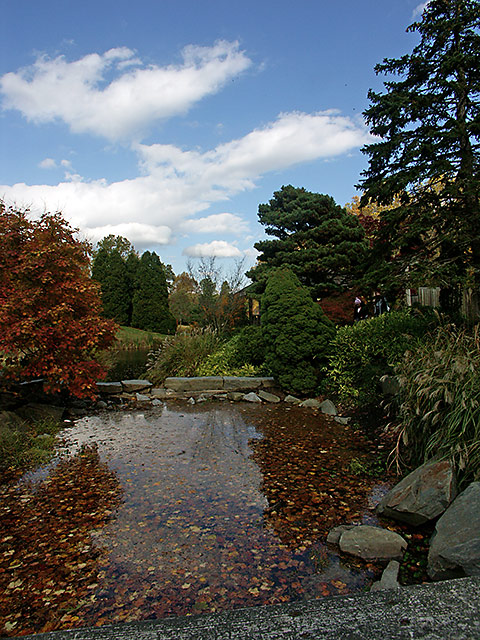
(127, 364)
(222, 506)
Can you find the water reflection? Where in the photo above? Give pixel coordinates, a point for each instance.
(195, 530)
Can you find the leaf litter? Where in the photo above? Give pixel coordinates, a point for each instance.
(178, 511)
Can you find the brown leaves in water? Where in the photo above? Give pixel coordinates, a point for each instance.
(47, 560)
(307, 478)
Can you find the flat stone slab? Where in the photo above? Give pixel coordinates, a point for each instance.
(268, 397)
(201, 383)
(132, 386)
(109, 387)
(441, 611)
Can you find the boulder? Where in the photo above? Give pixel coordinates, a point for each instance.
(132, 386)
(342, 420)
(455, 546)
(311, 403)
(268, 397)
(328, 408)
(422, 495)
(292, 399)
(141, 397)
(251, 397)
(336, 533)
(372, 543)
(109, 388)
(236, 396)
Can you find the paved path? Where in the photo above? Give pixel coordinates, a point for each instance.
(447, 610)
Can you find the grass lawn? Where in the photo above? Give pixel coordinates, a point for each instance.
(130, 338)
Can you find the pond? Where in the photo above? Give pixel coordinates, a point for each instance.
(181, 510)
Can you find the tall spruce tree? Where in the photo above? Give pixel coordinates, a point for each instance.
(110, 268)
(428, 127)
(314, 237)
(150, 301)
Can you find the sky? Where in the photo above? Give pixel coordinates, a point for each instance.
(169, 121)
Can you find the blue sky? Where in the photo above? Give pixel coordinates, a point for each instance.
(169, 121)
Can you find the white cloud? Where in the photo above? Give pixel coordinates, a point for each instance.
(47, 163)
(145, 235)
(419, 9)
(217, 248)
(77, 92)
(216, 223)
(175, 184)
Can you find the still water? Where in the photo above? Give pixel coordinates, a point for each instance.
(214, 507)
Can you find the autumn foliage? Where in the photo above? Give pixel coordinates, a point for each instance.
(50, 322)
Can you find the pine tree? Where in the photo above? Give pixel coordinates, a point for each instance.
(428, 128)
(314, 237)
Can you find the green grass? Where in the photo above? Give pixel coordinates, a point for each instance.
(25, 445)
(130, 338)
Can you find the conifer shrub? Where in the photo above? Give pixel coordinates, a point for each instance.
(250, 346)
(362, 353)
(296, 333)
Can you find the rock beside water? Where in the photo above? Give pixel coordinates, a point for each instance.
(421, 496)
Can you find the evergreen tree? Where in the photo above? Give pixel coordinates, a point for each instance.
(428, 128)
(314, 237)
(113, 268)
(296, 333)
(150, 301)
(110, 270)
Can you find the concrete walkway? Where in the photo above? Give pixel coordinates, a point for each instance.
(440, 611)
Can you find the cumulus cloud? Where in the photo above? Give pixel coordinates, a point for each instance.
(175, 184)
(216, 223)
(145, 234)
(217, 249)
(78, 93)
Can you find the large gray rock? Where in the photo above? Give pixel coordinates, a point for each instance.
(372, 543)
(328, 408)
(252, 397)
(311, 403)
(422, 495)
(268, 397)
(455, 546)
(109, 388)
(132, 386)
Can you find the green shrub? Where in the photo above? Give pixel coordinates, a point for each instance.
(362, 353)
(250, 346)
(439, 409)
(296, 332)
(226, 361)
(181, 354)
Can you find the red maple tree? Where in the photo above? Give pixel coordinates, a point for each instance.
(50, 309)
